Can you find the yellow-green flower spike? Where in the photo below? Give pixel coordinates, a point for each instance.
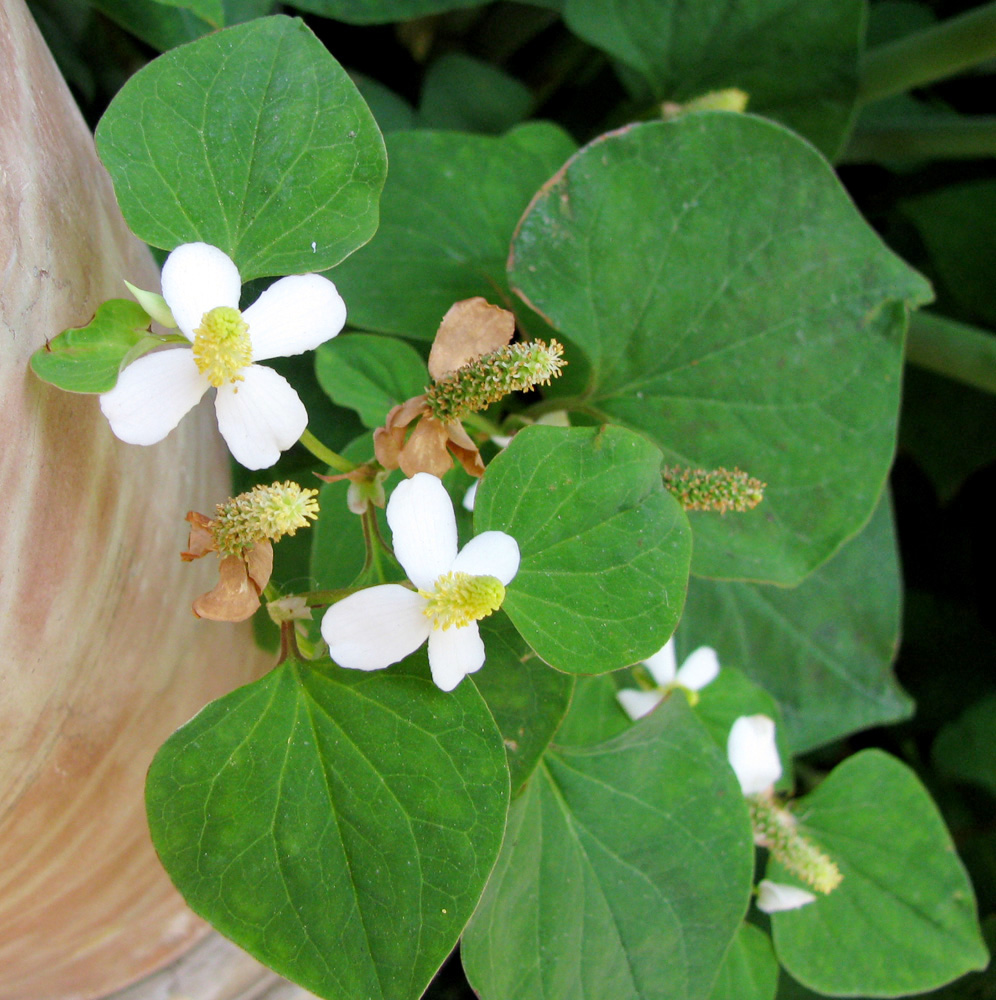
(713, 489)
(776, 829)
(493, 376)
(265, 512)
(222, 347)
(461, 598)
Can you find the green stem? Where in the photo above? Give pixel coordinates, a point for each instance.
(331, 458)
(932, 54)
(934, 137)
(956, 350)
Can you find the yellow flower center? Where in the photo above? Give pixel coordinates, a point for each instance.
(460, 598)
(221, 345)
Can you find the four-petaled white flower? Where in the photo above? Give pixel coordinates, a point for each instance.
(700, 668)
(376, 627)
(259, 414)
(774, 897)
(753, 753)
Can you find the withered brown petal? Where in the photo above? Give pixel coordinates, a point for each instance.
(425, 450)
(259, 563)
(201, 540)
(235, 597)
(469, 329)
(404, 413)
(387, 446)
(463, 447)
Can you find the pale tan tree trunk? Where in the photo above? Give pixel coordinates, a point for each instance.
(100, 656)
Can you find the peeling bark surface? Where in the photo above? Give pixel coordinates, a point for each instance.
(100, 655)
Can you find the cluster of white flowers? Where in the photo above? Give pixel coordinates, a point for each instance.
(259, 413)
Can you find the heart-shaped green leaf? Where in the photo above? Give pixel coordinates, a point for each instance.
(826, 657)
(337, 825)
(735, 307)
(605, 548)
(625, 872)
(88, 358)
(370, 374)
(750, 969)
(796, 59)
(903, 918)
(527, 699)
(252, 139)
(468, 95)
(449, 209)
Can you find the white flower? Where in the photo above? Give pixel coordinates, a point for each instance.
(753, 754)
(259, 414)
(471, 495)
(373, 628)
(700, 668)
(774, 897)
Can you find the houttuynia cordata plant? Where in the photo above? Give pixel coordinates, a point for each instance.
(600, 378)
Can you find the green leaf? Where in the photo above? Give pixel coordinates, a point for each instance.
(595, 714)
(155, 24)
(735, 307)
(796, 59)
(252, 139)
(940, 428)
(954, 223)
(393, 112)
(164, 27)
(625, 872)
(310, 815)
(527, 699)
(825, 656)
(88, 358)
(473, 96)
(903, 918)
(212, 11)
(750, 969)
(966, 748)
(449, 209)
(605, 548)
(370, 374)
(380, 11)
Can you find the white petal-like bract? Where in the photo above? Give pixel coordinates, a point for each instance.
(454, 653)
(491, 553)
(260, 416)
(152, 395)
(423, 529)
(662, 665)
(636, 704)
(701, 667)
(753, 754)
(294, 315)
(775, 897)
(373, 628)
(197, 278)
